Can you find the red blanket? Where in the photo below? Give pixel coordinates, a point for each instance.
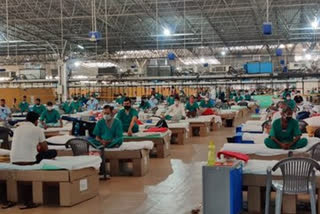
(237, 155)
(156, 129)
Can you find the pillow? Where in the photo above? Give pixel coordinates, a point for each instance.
(4, 152)
(59, 140)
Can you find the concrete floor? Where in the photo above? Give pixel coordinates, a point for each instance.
(172, 186)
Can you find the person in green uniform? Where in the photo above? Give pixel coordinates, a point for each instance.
(66, 106)
(205, 103)
(232, 95)
(24, 105)
(75, 106)
(144, 105)
(83, 100)
(170, 100)
(238, 98)
(158, 96)
(285, 93)
(285, 133)
(128, 117)
(38, 107)
(247, 96)
(290, 102)
(108, 131)
(192, 107)
(50, 117)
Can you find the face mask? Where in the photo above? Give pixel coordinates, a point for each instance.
(206, 99)
(107, 117)
(127, 107)
(91, 98)
(288, 98)
(50, 108)
(38, 104)
(176, 103)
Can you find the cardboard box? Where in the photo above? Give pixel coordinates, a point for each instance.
(138, 158)
(204, 128)
(180, 135)
(74, 186)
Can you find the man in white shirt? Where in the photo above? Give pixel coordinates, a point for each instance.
(92, 104)
(176, 110)
(28, 139)
(153, 102)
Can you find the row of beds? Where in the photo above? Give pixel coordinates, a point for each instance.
(249, 139)
(76, 178)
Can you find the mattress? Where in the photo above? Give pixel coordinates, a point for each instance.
(259, 167)
(254, 122)
(251, 128)
(257, 138)
(59, 140)
(66, 128)
(68, 163)
(4, 152)
(149, 134)
(262, 150)
(126, 146)
(203, 119)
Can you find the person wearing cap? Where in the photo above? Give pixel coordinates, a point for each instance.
(24, 105)
(285, 133)
(38, 107)
(50, 117)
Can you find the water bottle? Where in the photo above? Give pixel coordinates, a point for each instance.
(211, 154)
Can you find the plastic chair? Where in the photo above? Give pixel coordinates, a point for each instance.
(80, 146)
(315, 152)
(298, 176)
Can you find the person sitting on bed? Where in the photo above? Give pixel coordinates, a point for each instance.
(285, 133)
(128, 117)
(50, 117)
(27, 139)
(24, 105)
(108, 131)
(206, 103)
(38, 107)
(192, 107)
(176, 111)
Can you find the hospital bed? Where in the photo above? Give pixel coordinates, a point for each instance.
(136, 153)
(74, 180)
(261, 152)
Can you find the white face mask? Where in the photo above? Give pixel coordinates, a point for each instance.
(206, 99)
(176, 103)
(50, 108)
(288, 98)
(107, 117)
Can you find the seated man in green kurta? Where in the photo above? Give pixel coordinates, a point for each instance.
(108, 130)
(285, 133)
(129, 117)
(192, 107)
(50, 117)
(205, 103)
(38, 107)
(75, 106)
(24, 105)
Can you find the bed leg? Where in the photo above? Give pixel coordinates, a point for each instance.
(37, 192)
(114, 167)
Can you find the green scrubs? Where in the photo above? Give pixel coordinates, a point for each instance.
(66, 107)
(127, 118)
(120, 100)
(203, 104)
(113, 134)
(145, 106)
(51, 117)
(285, 93)
(291, 104)
(285, 136)
(193, 107)
(39, 109)
(158, 96)
(75, 107)
(238, 98)
(170, 101)
(232, 95)
(24, 107)
(247, 97)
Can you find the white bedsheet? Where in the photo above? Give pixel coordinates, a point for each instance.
(251, 128)
(262, 150)
(126, 146)
(146, 134)
(259, 167)
(4, 152)
(313, 121)
(254, 122)
(66, 128)
(69, 163)
(61, 140)
(205, 119)
(257, 138)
